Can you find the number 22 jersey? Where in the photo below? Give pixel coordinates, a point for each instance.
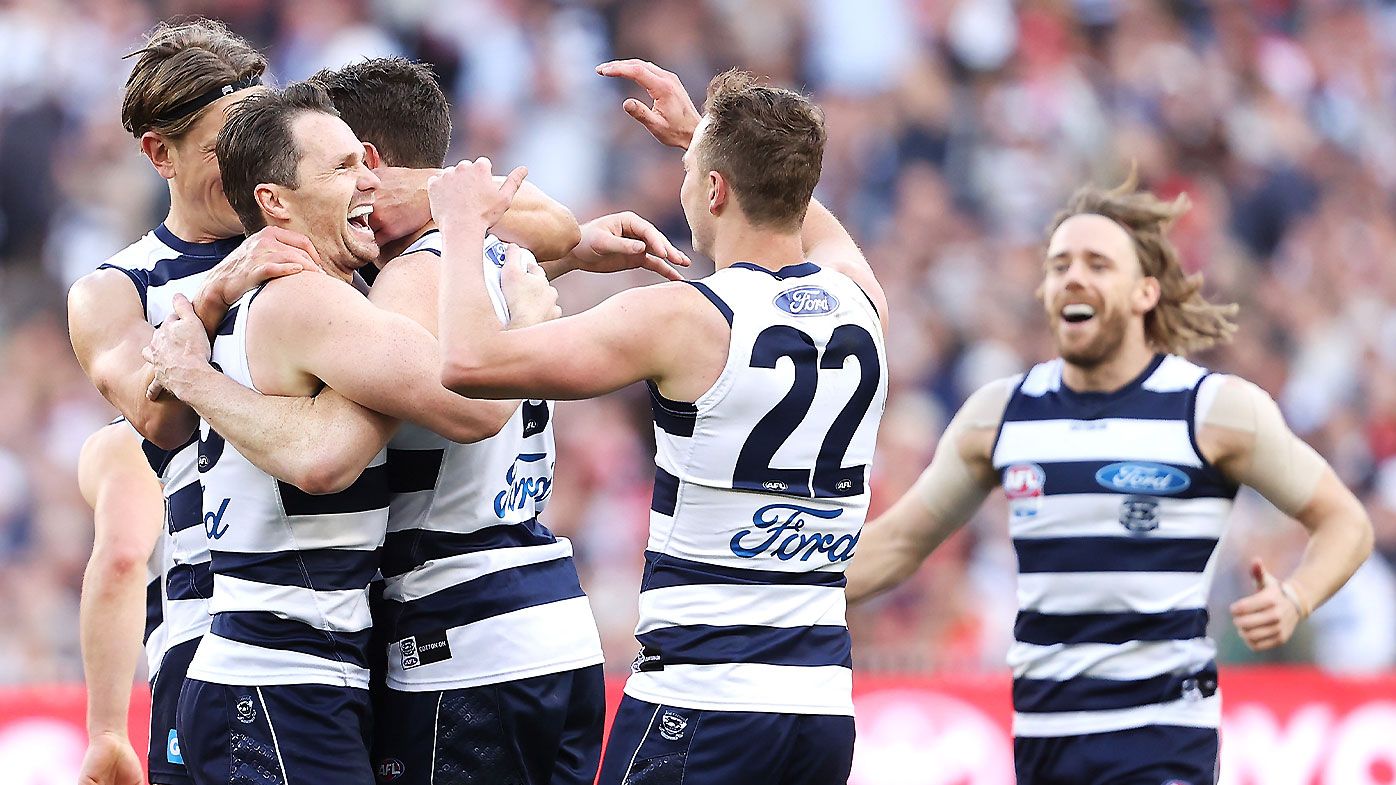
(760, 493)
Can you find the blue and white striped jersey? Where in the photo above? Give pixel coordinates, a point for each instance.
(760, 495)
(1115, 516)
(290, 570)
(477, 590)
(160, 266)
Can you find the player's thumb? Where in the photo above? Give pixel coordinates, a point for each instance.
(515, 264)
(639, 111)
(1260, 575)
(183, 308)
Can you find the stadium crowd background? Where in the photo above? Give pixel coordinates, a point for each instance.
(956, 127)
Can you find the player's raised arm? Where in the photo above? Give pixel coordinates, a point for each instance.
(116, 480)
(534, 220)
(1245, 436)
(895, 544)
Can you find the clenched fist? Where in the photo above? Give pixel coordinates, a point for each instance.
(467, 193)
(529, 296)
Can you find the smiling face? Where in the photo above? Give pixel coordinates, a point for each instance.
(1094, 290)
(334, 191)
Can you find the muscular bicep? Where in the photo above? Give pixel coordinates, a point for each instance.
(1244, 434)
(108, 329)
(390, 364)
(125, 495)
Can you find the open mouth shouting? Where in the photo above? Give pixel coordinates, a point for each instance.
(358, 221)
(1077, 313)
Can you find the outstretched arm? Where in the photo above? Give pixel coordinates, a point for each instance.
(128, 513)
(894, 546)
(1245, 436)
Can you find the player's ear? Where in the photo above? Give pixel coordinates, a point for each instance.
(270, 199)
(718, 192)
(1146, 294)
(160, 152)
(371, 157)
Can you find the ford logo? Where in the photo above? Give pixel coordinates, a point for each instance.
(1150, 479)
(806, 301)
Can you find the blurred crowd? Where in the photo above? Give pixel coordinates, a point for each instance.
(956, 129)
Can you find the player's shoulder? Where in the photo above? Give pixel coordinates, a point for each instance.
(985, 406)
(304, 298)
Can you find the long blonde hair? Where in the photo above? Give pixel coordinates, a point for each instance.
(1183, 321)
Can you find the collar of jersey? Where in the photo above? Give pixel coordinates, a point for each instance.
(789, 271)
(216, 248)
(1134, 384)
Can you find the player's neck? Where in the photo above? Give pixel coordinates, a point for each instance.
(1113, 374)
(392, 250)
(762, 247)
(184, 226)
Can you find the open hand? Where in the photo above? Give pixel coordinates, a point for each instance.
(468, 192)
(672, 117)
(268, 253)
(1267, 618)
(177, 350)
(625, 241)
(530, 298)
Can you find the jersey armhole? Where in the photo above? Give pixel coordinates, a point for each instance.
(1003, 418)
(136, 281)
(1199, 402)
(718, 302)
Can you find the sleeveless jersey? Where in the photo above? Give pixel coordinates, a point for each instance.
(290, 570)
(160, 266)
(760, 493)
(477, 591)
(1115, 516)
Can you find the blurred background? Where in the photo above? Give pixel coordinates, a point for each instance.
(956, 129)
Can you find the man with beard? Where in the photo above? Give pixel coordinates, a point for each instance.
(1120, 460)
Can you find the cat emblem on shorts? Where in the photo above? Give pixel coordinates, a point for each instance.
(247, 712)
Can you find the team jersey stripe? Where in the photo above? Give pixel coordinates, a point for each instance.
(1113, 554)
(1093, 694)
(1067, 478)
(1138, 404)
(410, 471)
(230, 319)
(369, 492)
(154, 612)
(758, 605)
(666, 492)
(1045, 629)
(1109, 439)
(185, 508)
(267, 630)
(673, 417)
(706, 644)
(722, 307)
(663, 571)
(406, 550)
(1122, 661)
(489, 595)
(1068, 593)
(327, 569)
(455, 570)
(189, 581)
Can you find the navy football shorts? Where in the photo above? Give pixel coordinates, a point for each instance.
(1151, 755)
(543, 730)
(166, 756)
(667, 745)
(284, 734)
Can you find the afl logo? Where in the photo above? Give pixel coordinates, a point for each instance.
(1153, 479)
(390, 769)
(1023, 481)
(806, 301)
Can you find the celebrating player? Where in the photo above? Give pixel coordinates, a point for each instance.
(183, 82)
(1120, 460)
(767, 381)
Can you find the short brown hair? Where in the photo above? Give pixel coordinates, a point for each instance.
(257, 145)
(396, 105)
(769, 144)
(1183, 321)
(181, 62)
